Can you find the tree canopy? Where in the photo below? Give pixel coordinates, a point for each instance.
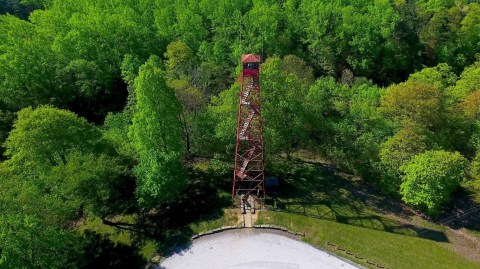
(431, 177)
(108, 107)
(156, 134)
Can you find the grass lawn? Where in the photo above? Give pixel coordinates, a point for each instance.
(330, 206)
(386, 248)
(228, 218)
(115, 235)
(118, 236)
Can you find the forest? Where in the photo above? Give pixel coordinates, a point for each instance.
(129, 107)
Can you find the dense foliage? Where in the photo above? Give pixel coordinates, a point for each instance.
(104, 104)
(431, 177)
(155, 132)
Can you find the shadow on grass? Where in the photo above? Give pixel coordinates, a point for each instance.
(321, 191)
(100, 252)
(462, 211)
(168, 224)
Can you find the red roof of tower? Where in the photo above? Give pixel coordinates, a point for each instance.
(250, 58)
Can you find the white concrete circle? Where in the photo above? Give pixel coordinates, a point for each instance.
(252, 249)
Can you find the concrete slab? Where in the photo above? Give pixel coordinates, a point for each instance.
(253, 249)
(248, 219)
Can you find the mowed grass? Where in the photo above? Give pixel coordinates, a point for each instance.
(118, 236)
(228, 218)
(385, 248)
(329, 206)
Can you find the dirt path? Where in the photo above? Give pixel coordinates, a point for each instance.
(464, 244)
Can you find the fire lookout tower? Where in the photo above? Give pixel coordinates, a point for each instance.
(248, 178)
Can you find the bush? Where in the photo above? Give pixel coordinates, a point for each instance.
(429, 179)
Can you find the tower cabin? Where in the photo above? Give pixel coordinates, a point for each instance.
(251, 64)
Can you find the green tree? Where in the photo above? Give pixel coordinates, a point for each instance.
(471, 106)
(18, 8)
(326, 103)
(351, 34)
(181, 20)
(31, 227)
(370, 125)
(130, 66)
(263, 29)
(219, 54)
(194, 104)
(180, 61)
(82, 171)
(90, 49)
(43, 137)
(65, 153)
(441, 76)
(82, 82)
(461, 102)
(320, 105)
(406, 143)
(39, 214)
(475, 167)
(27, 65)
(115, 131)
(283, 92)
(451, 35)
(349, 126)
(469, 37)
(46, 184)
(221, 119)
(468, 83)
(434, 6)
(416, 101)
(409, 141)
(184, 77)
(156, 135)
(430, 178)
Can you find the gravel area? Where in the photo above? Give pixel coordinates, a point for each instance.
(252, 249)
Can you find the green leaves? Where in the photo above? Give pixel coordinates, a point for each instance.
(180, 61)
(357, 34)
(412, 100)
(468, 83)
(156, 135)
(451, 34)
(27, 65)
(62, 155)
(263, 24)
(318, 92)
(59, 168)
(475, 167)
(222, 114)
(283, 90)
(431, 177)
(43, 137)
(440, 76)
(401, 147)
(27, 241)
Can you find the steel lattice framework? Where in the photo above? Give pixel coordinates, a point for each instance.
(248, 178)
